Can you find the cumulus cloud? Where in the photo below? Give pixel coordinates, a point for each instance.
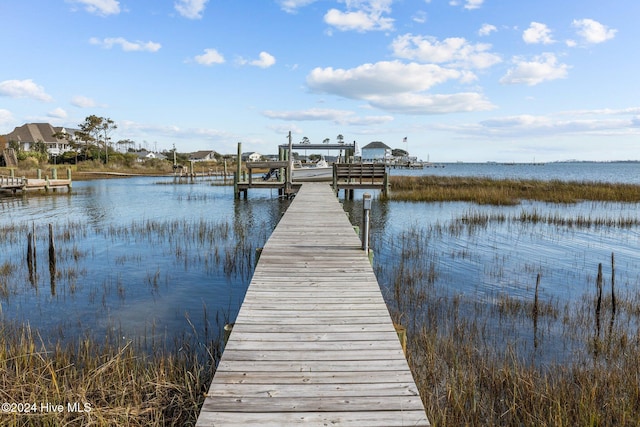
(126, 45)
(537, 33)
(24, 89)
(455, 51)
(99, 7)
(381, 78)
(592, 31)
(487, 29)
(209, 57)
(341, 117)
(542, 68)
(362, 16)
(265, 60)
(398, 87)
(191, 9)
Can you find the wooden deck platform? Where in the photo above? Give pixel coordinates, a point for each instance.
(313, 342)
(15, 184)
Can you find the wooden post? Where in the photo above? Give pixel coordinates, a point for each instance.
(366, 210)
(289, 183)
(52, 260)
(39, 174)
(239, 160)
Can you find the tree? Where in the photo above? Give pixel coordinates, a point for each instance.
(398, 152)
(340, 139)
(96, 130)
(326, 141)
(305, 140)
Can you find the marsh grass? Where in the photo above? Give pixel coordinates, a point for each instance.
(506, 360)
(158, 378)
(120, 383)
(507, 192)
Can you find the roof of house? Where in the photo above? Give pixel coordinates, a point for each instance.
(33, 132)
(376, 144)
(201, 154)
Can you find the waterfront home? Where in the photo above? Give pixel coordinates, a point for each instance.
(203, 156)
(26, 136)
(376, 151)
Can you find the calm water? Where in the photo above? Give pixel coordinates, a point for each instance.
(151, 257)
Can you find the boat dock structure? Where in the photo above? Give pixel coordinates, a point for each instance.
(313, 342)
(14, 184)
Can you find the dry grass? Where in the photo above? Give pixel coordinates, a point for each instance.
(507, 191)
(488, 363)
(114, 384)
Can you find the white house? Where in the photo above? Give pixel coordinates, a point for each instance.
(144, 155)
(251, 157)
(376, 151)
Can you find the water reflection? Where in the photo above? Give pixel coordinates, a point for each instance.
(140, 256)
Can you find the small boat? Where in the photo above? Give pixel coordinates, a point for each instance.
(319, 171)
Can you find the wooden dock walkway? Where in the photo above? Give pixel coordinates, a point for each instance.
(313, 342)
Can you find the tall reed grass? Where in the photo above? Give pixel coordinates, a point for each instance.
(107, 383)
(507, 191)
(491, 361)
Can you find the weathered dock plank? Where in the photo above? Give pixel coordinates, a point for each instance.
(313, 342)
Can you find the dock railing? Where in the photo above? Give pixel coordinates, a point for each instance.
(349, 176)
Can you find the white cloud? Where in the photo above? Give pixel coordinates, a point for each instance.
(266, 60)
(6, 118)
(382, 78)
(559, 124)
(415, 103)
(210, 57)
(420, 17)
(487, 29)
(455, 51)
(473, 4)
(191, 9)
(100, 7)
(542, 68)
(361, 15)
(82, 102)
(292, 6)
(58, 113)
(469, 4)
(398, 87)
(593, 31)
(126, 45)
(537, 33)
(24, 89)
(341, 117)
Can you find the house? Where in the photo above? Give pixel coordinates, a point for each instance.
(141, 156)
(251, 157)
(203, 156)
(26, 136)
(376, 151)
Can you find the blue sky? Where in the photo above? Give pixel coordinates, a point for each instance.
(462, 80)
